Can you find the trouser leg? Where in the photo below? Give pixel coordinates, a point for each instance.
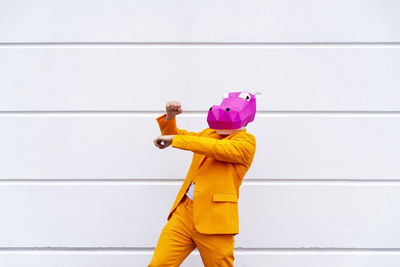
(215, 249)
(175, 242)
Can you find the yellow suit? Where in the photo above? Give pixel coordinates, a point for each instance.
(219, 164)
(209, 221)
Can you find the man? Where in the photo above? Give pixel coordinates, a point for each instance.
(205, 211)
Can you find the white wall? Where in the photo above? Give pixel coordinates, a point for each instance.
(81, 83)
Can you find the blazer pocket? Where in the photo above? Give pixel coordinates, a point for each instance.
(218, 197)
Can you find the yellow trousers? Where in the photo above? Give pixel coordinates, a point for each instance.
(179, 238)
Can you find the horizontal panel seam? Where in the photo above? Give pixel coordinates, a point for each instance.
(193, 114)
(202, 44)
(174, 182)
(100, 250)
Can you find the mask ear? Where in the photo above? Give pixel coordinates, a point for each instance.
(226, 95)
(257, 95)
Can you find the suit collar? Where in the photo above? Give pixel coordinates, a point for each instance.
(228, 136)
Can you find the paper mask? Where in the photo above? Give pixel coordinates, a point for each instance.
(236, 110)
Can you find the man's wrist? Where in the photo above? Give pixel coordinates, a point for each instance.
(169, 117)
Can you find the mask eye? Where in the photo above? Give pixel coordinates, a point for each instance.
(245, 96)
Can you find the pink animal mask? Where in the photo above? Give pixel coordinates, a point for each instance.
(236, 110)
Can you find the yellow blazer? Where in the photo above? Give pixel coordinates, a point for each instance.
(218, 166)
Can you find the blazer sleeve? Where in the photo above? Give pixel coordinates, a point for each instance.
(168, 127)
(239, 149)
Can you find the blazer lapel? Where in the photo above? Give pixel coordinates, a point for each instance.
(202, 158)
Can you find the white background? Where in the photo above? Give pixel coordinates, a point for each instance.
(81, 85)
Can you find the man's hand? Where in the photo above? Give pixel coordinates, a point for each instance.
(173, 108)
(163, 141)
